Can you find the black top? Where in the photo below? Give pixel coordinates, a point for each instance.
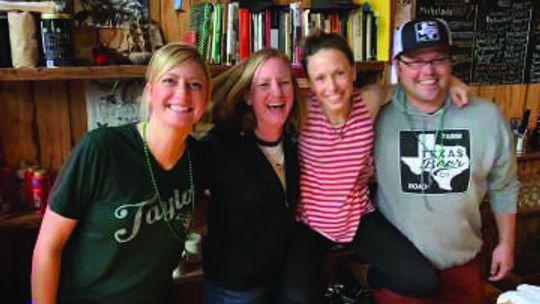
(121, 250)
(250, 216)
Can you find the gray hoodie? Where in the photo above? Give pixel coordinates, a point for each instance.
(434, 170)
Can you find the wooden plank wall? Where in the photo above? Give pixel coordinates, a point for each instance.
(513, 99)
(43, 120)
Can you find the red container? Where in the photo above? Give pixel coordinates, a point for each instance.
(28, 175)
(40, 191)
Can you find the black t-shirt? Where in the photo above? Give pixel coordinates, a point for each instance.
(122, 250)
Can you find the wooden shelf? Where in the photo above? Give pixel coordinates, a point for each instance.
(126, 71)
(20, 220)
(370, 66)
(81, 72)
(66, 73)
(529, 156)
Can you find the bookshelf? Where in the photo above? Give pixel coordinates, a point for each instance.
(372, 67)
(227, 32)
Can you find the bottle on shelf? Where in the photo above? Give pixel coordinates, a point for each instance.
(521, 135)
(534, 139)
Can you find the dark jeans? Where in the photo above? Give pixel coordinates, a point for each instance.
(395, 263)
(214, 294)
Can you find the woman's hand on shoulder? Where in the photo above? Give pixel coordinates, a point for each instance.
(459, 92)
(375, 96)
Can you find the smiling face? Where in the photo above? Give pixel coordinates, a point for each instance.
(426, 83)
(271, 96)
(178, 97)
(332, 79)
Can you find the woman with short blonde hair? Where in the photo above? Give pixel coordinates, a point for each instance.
(118, 213)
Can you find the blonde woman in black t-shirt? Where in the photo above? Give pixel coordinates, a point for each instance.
(118, 212)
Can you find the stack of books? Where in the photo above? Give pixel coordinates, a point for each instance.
(227, 33)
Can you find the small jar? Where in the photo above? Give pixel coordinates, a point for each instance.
(57, 39)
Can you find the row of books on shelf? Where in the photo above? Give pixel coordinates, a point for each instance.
(227, 33)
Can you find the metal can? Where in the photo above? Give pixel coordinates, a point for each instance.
(56, 38)
(40, 190)
(29, 196)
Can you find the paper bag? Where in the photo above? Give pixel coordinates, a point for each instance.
(22, 36)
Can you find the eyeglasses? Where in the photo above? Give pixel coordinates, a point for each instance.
(419, 64)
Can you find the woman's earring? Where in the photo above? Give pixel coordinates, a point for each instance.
(246, 96)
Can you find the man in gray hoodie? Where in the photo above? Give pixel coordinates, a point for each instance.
(436, 162)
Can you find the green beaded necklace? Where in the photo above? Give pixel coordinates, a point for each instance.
(438, 154)
(161, 203)
(440, 132)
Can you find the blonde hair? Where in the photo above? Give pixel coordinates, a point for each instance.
(230, 108)
(167, 58)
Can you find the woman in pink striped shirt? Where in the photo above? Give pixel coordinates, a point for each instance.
(335, 151)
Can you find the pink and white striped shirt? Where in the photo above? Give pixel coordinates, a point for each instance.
(335, 166)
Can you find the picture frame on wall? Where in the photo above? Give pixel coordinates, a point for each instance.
(113, 103)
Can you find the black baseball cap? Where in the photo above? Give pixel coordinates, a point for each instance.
(419, 34)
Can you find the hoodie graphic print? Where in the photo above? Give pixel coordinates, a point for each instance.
(434, 161)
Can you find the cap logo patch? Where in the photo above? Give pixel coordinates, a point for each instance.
(426, 31)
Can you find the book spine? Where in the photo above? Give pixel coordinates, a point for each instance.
(216, 34)
(233, 34)
(262, 32)
(287, 34)
(354, 34)
(244, 27)
(204, 29)
(296, 15)
(274, 29)
(268, 27)
(306, 26)
(224, 24)
(255, 29)
(369, 34)
(281, 33)
(374, 36)
(366, 9)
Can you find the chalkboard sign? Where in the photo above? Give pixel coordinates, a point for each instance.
(502, 41)
(495, 41)
(461, 18)
(534, 45)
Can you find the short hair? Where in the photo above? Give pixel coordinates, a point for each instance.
(230, 108)
(167, 58)
(325, 41)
